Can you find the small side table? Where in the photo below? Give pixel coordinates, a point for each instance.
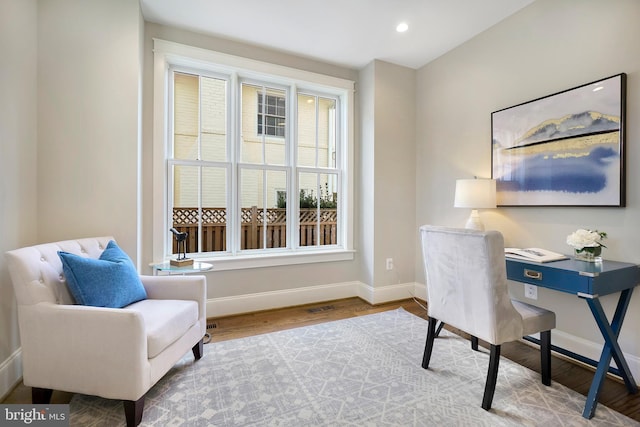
(167, 268)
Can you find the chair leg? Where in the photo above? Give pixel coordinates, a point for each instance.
(440, 326)
(198, 349)
(545, 357)
(492, 377)
(41, 396)
(133, 411)
(474, 343)
(428, 347)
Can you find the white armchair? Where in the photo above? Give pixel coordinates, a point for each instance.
(115, 353)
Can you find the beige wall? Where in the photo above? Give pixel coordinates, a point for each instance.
(547, 47)
(88, 113)
(18, 145)
(395, 173)
(69, 114)
(365, 177)
(387, 173)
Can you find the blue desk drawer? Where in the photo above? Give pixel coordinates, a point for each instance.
(552, 278)
(574, 277)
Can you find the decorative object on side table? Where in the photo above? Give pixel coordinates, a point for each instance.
(587, 244)
(181, 239)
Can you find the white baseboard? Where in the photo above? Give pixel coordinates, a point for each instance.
(420, 290)
(10, 373)
(227, 306)
(388, 293)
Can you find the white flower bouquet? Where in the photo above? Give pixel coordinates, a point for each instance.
(587, 242)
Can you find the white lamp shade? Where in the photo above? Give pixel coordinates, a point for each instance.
(475, 193)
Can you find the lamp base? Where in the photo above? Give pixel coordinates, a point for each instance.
(181, 262)
(474, 222)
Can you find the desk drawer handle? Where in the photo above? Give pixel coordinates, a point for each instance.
(531, 274)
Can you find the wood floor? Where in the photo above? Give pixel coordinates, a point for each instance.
(570, 374)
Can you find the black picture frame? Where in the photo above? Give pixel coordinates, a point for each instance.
(564, 149)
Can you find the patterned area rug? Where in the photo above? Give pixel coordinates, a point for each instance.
(363, 371)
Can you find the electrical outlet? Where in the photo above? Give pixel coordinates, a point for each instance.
(531, 291)
(389, 263)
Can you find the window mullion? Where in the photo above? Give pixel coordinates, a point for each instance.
(234, 218)
(293, 206)
(265, 218)
(317, 208)
(317, 129)
(200, 210)
(265, 125)
(199, 157)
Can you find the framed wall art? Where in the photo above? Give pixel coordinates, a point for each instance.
(565, 149)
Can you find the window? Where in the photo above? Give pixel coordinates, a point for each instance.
(271, 115)
(257, 165)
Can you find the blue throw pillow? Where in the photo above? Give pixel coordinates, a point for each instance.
(110, 281)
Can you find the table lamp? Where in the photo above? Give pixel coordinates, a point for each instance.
(475, 194)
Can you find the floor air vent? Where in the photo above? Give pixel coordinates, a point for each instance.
(319, 309)
(212, 325)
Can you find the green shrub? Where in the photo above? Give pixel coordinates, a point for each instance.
(308, 200)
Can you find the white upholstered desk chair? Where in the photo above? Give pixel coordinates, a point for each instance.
(467, 289)
(115, 353)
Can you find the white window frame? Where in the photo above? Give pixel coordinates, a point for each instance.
(167, 54)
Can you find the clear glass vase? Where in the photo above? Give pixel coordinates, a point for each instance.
(589, 254)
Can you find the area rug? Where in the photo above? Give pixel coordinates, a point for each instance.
(363, 371)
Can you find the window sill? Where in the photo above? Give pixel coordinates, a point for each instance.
(241, 262)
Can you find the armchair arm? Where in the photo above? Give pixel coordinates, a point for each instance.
(191, 287)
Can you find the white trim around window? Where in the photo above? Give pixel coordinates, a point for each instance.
(167, 54)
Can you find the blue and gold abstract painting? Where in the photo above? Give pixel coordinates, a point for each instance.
(565, 149)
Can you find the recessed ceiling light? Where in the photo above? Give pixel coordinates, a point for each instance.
(402, 27)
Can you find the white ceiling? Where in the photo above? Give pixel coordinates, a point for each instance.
(350, 33)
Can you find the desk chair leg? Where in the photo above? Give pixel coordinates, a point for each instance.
(440, 326)
(492, 377)
(474, 340)
(428, 347)
(545, 357)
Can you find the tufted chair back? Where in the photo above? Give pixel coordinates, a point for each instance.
(38, 270)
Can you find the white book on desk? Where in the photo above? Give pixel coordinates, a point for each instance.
(533, 254)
